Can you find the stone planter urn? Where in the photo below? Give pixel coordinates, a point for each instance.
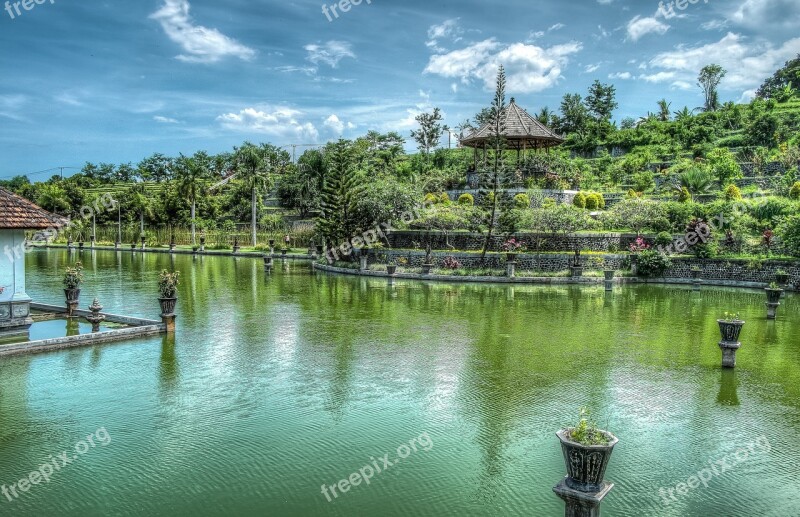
(696, 273)
(391, 270)
(426, 269)
(511, 257)
(586, 464)
(80, 245)
(142, 239)
(167, 306)
(133, 246)
(782, 278)
(730, 330)
(72, 295)
(609, 274)
(577, 271)
(774, 295)
(773, 302)
(730, 344)
(284, 252)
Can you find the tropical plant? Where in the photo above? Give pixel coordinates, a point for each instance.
(696, 181)
(73, 276)
(651, 263)
(192, 176)
(168, 283)
(586, 432)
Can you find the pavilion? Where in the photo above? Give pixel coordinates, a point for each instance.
(16, 216)
(522, 133)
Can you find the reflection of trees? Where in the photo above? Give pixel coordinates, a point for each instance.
(168, 371)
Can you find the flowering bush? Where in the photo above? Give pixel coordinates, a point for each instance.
(168, 283)
(640, 245)
(451, 263)
(73, 276)
(512, 245)
(767, 237)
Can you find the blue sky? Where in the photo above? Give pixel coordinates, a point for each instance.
(117, 81)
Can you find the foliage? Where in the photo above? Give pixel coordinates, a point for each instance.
(579, 201)
(168, 283)
(466, 200)
(788, 75)
(709, 79)
(732, 193)
(587, 433)
(651, 263)
(430, 130)
(794, 192)
(664, 239)
(338, 222)
(636, 214)
(522, 201)
(451, 263)
(73, 276)
(724, 166)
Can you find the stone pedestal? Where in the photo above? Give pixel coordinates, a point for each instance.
(696, 284)
(71, 308)
(364, 264)
(772, 310)
(577, 271)
(15, 319)
(729, 350)
(169, 321)
(511, 269)
(581, 504)
(172, 247)
(96, 318)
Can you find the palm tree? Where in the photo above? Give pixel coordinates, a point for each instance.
(544, 116)
(663, 110)
(140, 203)
(192, 176)
(254, 164)
(696, 181)
(683, 115)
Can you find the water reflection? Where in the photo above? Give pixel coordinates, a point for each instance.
(168, 364)
(728, 385)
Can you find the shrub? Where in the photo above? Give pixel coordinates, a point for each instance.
(168, 283)
(451, 263)
(579, 200)
(664, 239)
(444, 198)
(522, 201)
(732, 193)
(652, 263)
(632, 194)
(794, 192)
(466, 200)
(684, 196)
(595, 201)
(73, 276)
(789, 232)
(548, 202)
(431, 199)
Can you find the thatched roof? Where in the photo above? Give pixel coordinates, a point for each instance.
(522, 131)
(18, 213)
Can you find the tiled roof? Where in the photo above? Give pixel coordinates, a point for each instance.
(20, 214)
(522, 131)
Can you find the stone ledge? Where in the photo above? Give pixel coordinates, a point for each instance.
(62, 343)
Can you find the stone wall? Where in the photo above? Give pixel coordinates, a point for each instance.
(724, 270)
(603, 242)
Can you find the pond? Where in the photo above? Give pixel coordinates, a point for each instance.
(275, 385)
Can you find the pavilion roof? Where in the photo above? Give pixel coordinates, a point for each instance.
(522, 131)
(18, 213)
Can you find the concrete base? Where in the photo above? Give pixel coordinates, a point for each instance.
(729, 353)
(772, 310)
(15, 320)
(72, 307)
(581, 504)
(511, 269)
(169, 322)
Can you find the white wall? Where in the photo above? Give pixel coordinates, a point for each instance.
(12, 265)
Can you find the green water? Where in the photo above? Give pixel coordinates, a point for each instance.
(278, 384)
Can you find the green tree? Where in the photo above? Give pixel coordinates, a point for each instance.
(788, 75)
(724, 166)
(430, 130)
(663, 110)
(574, 115)
(709, 79)
(255, 164)
(139, 201)
(338, 222)
(696, 181)
(53, 197)
(192, 177)
(601, 101)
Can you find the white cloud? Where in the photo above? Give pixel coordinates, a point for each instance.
(714, 25)
(448, 29)
(639, 27)
(620, 75)
(335, 124)
(591, 68)
(165, 120)
(278, 122)
(329, 53)
(529, 68)
(761, 14)
(748, 64)
(556, 27)
(199, 44)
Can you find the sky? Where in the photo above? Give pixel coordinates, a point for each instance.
(113, 81)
